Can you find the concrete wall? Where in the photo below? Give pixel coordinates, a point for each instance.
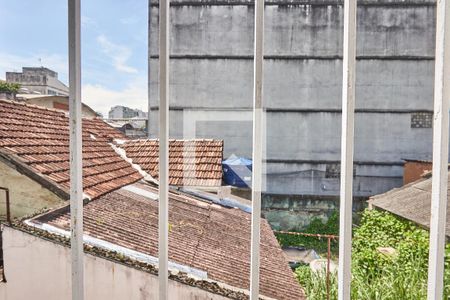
(41, 80)
(26, 195)
(295, 212)
(40, 269)
(212, 79)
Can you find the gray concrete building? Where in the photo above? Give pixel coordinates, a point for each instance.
(212, 82)
(39, 80)
(123, 112)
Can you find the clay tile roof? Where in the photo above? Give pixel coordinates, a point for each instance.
(191, 162)
(411, 201)
(38, 138)
(204, 236)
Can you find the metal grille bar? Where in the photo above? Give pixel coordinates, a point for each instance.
(257, 148)
(347, 141)
(440, 152)
(76, 180)
(163, 217)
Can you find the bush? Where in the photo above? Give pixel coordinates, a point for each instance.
(331, 226)
(379, 276)
(7, 87)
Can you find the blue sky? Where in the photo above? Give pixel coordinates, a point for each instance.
(114, 46)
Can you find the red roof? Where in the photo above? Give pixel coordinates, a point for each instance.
(38, 138)
(202, 235)
(191, 162)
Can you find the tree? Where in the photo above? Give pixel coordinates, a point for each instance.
(9, 87)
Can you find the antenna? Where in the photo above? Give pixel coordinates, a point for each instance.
(40, 61)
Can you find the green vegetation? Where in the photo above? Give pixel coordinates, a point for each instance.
(316, 226)
(7, 87)
(377, 276)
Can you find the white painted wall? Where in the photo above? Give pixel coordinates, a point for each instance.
(39, 269)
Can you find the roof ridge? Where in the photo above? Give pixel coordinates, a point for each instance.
(62, 112)
(40, 156)
(14, 102)
(175, 140)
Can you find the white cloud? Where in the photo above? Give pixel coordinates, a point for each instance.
(97, 96)
(87, 22)
(14, 63)
(129, 20)
(101, 98)
(118, 53)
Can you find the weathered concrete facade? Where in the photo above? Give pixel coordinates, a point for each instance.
(26, 195)
(211, 86)
(38, 81)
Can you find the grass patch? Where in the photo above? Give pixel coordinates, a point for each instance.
(317, 226)
(377, 276)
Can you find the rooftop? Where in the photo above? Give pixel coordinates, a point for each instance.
(211, 239)
(36, 141)
(191, 162)
(411, 201)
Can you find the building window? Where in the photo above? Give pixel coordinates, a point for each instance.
(334, 170)
(422, 120)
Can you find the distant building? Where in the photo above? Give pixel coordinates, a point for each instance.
(39, 80)
(132, 129)
(34, 159)
(302, 89)
(123, 112)
(209, 257)
(56, 102)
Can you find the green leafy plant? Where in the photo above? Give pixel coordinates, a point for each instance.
(8, 87)
(376, 276)
(317, 226)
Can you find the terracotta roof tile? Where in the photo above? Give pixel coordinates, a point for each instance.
(202, 235)
(39, 137)
(191, 162)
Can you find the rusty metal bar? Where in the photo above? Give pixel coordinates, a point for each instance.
(327, 236)
(8, 208)
(328, 266)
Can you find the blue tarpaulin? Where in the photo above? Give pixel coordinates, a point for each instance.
(237, 171)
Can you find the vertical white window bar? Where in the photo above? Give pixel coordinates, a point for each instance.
(440, 152)
(348, 116)
(164, 6)
(76, 180)
(149, 108)
(257, 148)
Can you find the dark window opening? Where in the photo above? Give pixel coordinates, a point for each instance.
(422, 120)
(334, 170)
